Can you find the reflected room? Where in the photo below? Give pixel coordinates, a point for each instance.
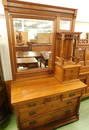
(33, 43)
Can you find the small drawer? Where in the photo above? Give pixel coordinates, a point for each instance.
(71, 94)
(87, 89)
(70, 74)
(29, 104)
(32, 113)
(82, 76)
(60, 114)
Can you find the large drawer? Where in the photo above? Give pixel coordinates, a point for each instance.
(39, 101)
(51, 98)
(49, 117)
(29, 113)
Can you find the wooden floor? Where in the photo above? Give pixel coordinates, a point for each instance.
(82, 124)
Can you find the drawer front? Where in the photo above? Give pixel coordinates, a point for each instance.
(82, 76)
(71, 94)
(26, 113)
(37, 102)
(87, 89)
(60, 114)
(70, 74)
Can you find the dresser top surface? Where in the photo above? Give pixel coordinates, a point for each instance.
(32, 89)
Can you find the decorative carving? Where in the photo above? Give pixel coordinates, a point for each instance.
(68, 35)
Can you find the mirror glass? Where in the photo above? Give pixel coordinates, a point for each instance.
(65, 25)
(33, 43)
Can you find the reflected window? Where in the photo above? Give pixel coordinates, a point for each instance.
(83, 35)
(65, 24)
(33, 43)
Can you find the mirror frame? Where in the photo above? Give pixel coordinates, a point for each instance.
(20, 9)
(13, 50)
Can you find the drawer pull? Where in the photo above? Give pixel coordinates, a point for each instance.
(58, 97)
(31, 105)
(72, 94)
(32, 113)
(46, 100)
(69, 102)
(33, 122)
(67, 111)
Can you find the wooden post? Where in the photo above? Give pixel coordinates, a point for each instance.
(62, 45)
(4, 2)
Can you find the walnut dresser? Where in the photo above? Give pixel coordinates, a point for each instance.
(45, 103)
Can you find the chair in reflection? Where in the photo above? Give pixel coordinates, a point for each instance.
(45, 58)
(29, 45)
(80, 53)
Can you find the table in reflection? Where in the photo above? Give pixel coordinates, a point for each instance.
(42, 57)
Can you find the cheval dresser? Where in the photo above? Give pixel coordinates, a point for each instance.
(45, 99)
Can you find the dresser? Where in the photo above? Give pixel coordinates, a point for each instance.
(45, 103)
(49, 97)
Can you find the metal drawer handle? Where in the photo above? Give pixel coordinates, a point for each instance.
(32, 113)
(31, 105)
(69, 102)
(32, 122)
(58, 97)
(72, 94)
(67, 111)
(46, 100)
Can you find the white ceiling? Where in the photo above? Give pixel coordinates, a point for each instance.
(81, 5)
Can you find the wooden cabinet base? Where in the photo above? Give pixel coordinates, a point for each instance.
(43, 104)
(55, 124)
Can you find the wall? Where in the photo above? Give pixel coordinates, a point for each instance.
(82, 26)
(4, 50)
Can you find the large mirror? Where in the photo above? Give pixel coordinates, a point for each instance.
(33, 43)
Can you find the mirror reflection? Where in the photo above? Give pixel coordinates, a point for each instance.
(33, 43)
(65, 24)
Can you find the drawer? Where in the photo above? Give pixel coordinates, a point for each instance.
(82, 76)
(26, 113)
(37, 102)
(87, 89)
(71, 94)
(46, 118)
(71, 73)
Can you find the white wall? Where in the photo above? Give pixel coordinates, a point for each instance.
(82, 26)
(4, 50)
